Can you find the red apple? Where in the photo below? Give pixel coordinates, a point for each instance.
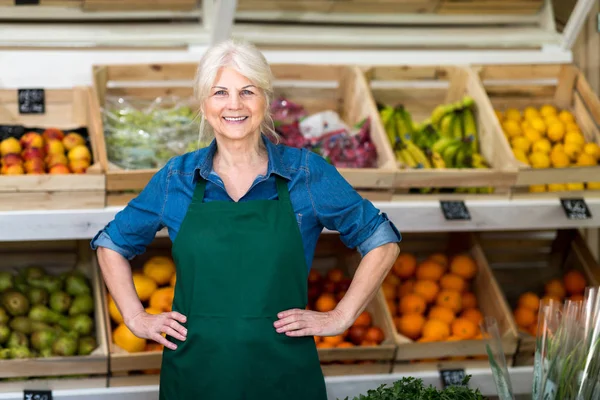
(32, 152)
(80, 153)
(12, 159)
(73, 140)
(12, 170)
(35, 166)
(59, 169)
(53, 134)
(78, 166)
(54, 159)
(32, 139)
(54, 147)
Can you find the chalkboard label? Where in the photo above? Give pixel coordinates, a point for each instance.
(37, 395)
(27, 2)
(452, 377)
(455, 210)
(576, 208)
(32, 101)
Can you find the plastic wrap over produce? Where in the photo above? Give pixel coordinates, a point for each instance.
(143, 134)
(326, 134)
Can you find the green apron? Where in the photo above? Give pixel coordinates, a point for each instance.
(238, 265)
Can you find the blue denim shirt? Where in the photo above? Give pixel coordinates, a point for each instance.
(320, 197)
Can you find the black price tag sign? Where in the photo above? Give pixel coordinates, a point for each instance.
(455, 210)
(37, 395)
(27, 2)
(32, 101)
(576, 208)
(452, 377)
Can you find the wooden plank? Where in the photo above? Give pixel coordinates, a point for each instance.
(585, 120)
(125, 5)
(590, 99)
(47, 182)
(59, 200)
(128, 180)
(458, 82)
(356, 369)
(151, 72)
(567, 77)
(518, 71)
(54, 384)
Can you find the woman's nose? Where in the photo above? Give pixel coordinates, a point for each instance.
(234, 102)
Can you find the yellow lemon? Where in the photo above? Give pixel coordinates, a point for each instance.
(565, 116)
(531, 113)
(532, 135)
(556, 131)
(592, 149)
(525, 125)
(539, 160)
(572, 150)
(560, 159)
(511, 128)
(499, 115)
(542, 146)
(512, 114)
(585, 160)
(113, 310)
(537, 188)
(575, 138)
(593, 185)
(557, 187)
(558, 147)
(575, 186)
(144, 286)
(521, 142)
(538, 124)
(521, 156)
(572, 126)
(160, 269)
(548, 109)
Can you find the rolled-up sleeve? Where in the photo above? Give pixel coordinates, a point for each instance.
(134, 227)
(340, 208)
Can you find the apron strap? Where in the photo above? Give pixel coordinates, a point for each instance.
(199, 191)
(282, 190)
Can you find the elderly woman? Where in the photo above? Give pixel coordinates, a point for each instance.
(244, 215)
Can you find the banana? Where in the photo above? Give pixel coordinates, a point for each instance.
(386, 114)
(450, 153)
(441, 144)
(417, 154)
(439, 112)
(457, 128)
(410, 161)
(408, 122)
(478, 161)
(445, 126)
(437, 160)
(470, 128)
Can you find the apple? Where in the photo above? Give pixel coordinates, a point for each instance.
(78, 166)
(11, 159)
(32, 139)
(54, 146)
(10, 145)
(32, 152)
(12, 170)
(80, 152)
(53, 134)
(54, 159)
(72, 140)
(35, 166)
(59, 169)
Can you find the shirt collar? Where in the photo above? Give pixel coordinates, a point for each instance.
(276, 164)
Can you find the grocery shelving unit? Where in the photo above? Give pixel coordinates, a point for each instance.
(31, 37)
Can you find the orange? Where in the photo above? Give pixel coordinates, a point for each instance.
(411, 304)
(547, 298)
(429, 270)
(555, 287)
(162, 299)
(524, 317)
(428, 290)
(532, 329)
(392, 280)
(364, 319)
(153, 346)
(576, 297)
(453, 339)
(453, 282)
(344, 345)
(393, 307)
(335, 275)
(442, 313)
(405, 288)
(333, 340)
(410, 325)
(469, 300)
(317, 339)
(389, 291)
(436, 330)
(464, 266)
(450, 299)
(368, 343)
(173, 280)
(439, 258)
(426, 340)
(374, 334)
(464, 328)
(113, 310)
(529, 300)
(325, 345)
(405, 265)
(325, 302)
(144, 286)
(153, 311)
(160, 269)
(473, 315)
(575, 282)
(126, 340)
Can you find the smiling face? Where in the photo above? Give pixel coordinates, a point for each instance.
(235, 108)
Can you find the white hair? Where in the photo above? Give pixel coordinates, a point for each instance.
(247, 60)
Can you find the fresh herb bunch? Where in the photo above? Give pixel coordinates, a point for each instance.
(410, 388)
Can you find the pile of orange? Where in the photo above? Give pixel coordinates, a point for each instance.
(432, 300)
(155, 287)
(324, 292)
(571, 286)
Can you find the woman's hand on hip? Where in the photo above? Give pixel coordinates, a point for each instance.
(150, 326)
(298, 322)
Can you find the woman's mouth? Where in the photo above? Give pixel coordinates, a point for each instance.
(235, 119)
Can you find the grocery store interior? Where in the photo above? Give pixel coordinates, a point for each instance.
(474, 125)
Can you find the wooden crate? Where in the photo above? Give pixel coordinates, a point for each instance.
(489, 297)
(340, 6)
(561, 85)
(420, 89)
(44, 3)
(526, 261)
(55, 258)
(318, 88)
(364, 368)
(484, 7)
(65, 109)
(449, 363)
(139, 5)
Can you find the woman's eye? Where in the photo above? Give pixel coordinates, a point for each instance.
(220, 92)
(247, 92)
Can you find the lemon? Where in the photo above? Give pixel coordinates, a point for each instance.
(521, 156)
(548, 109)
(572, 126)
(160, 269)
(531, 113)
(539, 160)
(538, 124)
(537, 188)
(144, 286)
(556, 131)
(557, 187)
(525, 125)
(585, 160)
(560, 159)
(511, 128)
(113, 310)
(565, 116)
(558, 147)
(592, 149)
(532, 135)
(521, 142)
(126, 340)
(572, 150)
(542, 146)
(575, 138)
(593, 185)
(512, 114)
(499, 115)
(575, 186)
